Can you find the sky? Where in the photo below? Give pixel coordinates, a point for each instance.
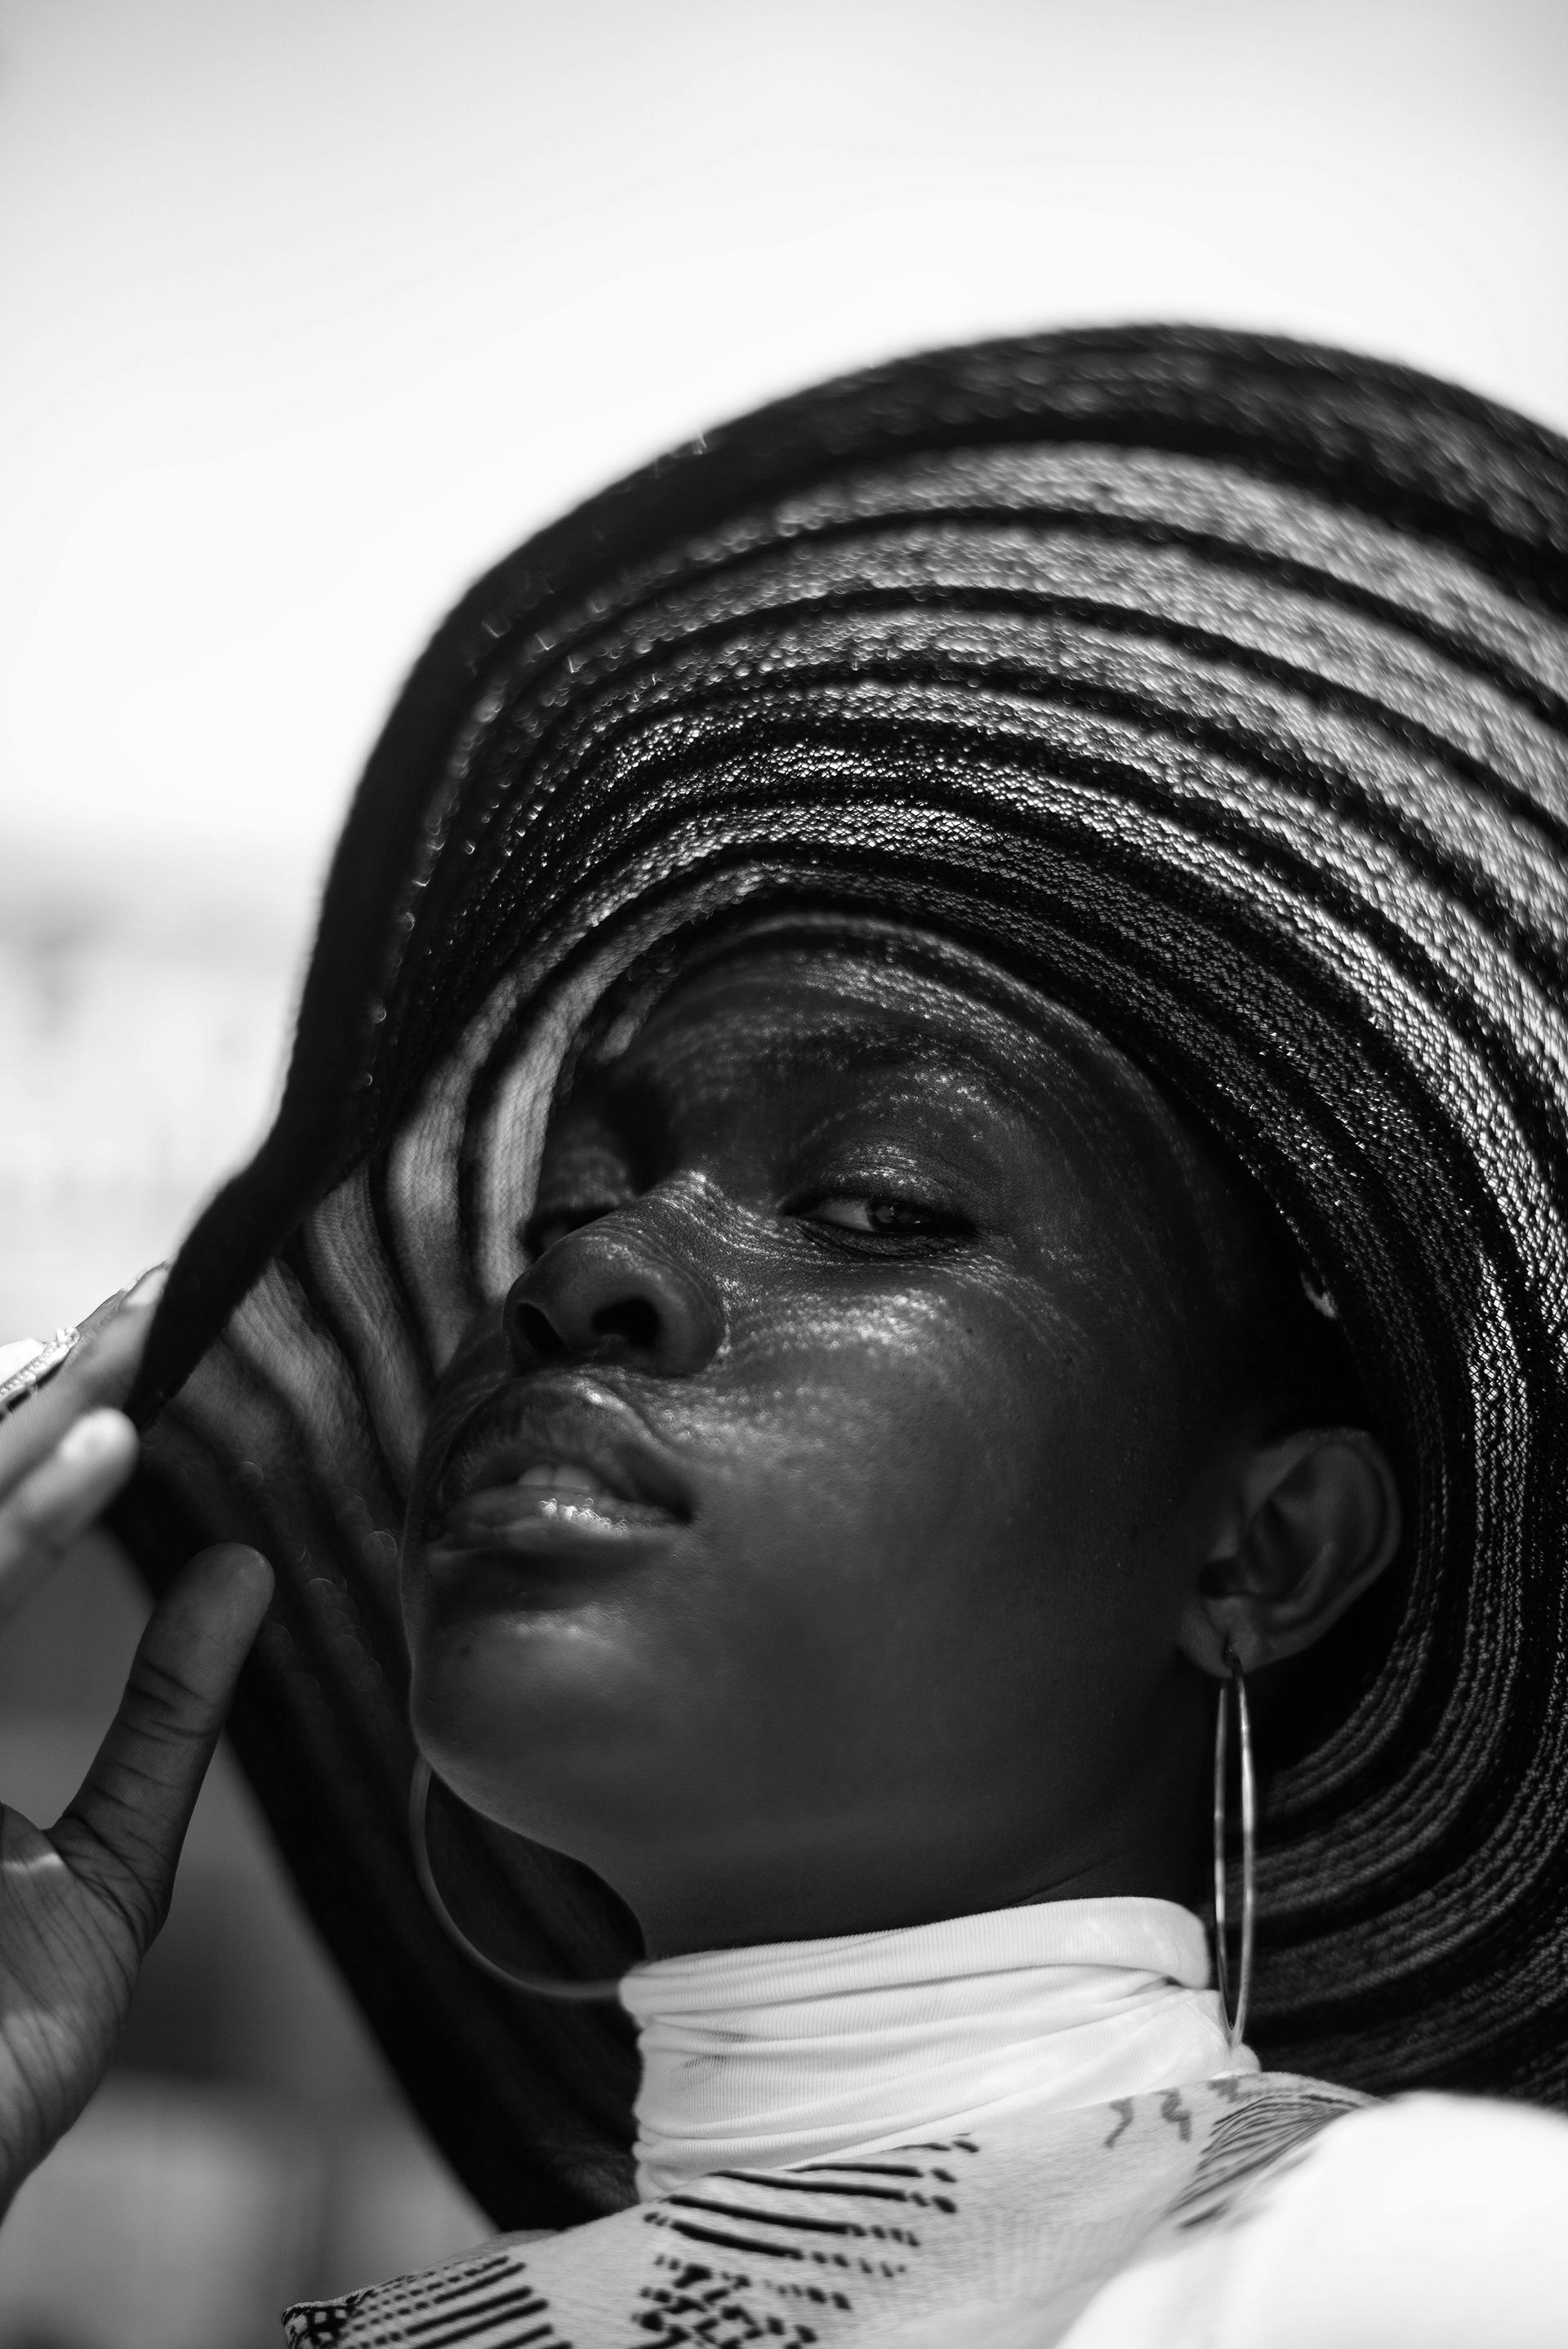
(313, 308)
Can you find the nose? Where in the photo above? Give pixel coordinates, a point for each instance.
(614, 1290)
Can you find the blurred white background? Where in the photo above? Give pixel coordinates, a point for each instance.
(311, 309)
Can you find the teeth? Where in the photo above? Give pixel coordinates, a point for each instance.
(564, 1477)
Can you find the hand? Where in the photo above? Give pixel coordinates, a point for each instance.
(66, 1451)
(80, 1902)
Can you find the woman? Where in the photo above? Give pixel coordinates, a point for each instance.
(928, 1126)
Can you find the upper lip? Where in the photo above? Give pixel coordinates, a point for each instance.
(581, 1422)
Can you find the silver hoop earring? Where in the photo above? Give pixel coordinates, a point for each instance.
(1236, 2023)
(532, 1985)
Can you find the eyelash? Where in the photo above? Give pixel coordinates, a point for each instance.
(936, 1227)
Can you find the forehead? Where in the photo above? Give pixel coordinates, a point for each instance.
(777, 1010)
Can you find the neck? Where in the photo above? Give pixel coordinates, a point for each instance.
(799, 2051)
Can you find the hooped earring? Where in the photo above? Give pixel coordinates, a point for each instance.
(1236, 2023)
(532, 1985)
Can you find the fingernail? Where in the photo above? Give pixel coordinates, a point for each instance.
(93, 1437)
(145, 1291)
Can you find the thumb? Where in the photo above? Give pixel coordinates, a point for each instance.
(122, 1837)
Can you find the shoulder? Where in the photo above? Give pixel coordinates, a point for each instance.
(1429, 2222)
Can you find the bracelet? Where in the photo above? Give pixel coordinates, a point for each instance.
(40, 1358)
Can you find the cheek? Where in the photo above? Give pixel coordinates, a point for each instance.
(880, 1440)
(997, 1427)
(931, 1510)
(1094, 1416)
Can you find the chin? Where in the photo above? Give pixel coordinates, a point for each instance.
(537, 1728)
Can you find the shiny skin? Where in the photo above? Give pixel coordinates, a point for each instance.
(927, 1303)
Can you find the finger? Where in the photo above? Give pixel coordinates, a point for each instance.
(100, 1370)
(122, 1837)
(50, 1508)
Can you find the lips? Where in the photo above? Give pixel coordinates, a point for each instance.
(550, 1463)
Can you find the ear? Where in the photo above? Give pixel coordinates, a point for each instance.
(1305, 1525)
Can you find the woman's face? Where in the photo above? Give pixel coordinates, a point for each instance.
(803, 1546)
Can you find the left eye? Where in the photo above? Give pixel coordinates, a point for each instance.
(885, 1219)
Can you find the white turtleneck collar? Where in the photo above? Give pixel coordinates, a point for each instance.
(754, 2059)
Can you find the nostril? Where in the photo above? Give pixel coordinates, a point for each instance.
(634, 1321)
(538, 1332)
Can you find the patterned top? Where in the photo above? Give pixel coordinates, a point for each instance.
(909, 2245)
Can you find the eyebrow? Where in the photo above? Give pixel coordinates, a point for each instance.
(627, 1082)
(950, 1054)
